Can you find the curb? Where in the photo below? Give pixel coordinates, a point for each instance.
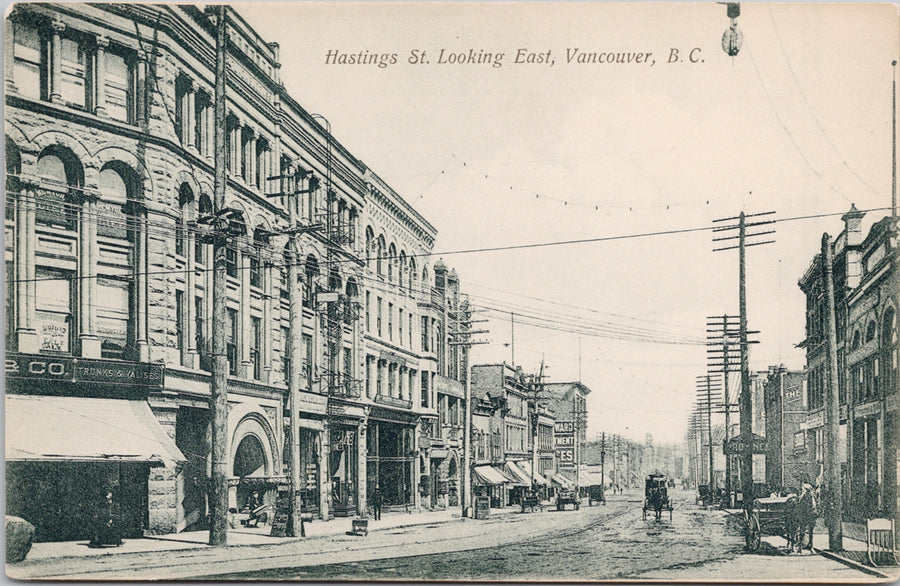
(851, 563)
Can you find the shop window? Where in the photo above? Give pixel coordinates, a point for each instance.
(55, 309)
(425, 394)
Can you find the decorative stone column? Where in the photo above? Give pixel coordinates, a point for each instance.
(190, 124)
(27, 340)
(141, 106)
(267, 333)
(56, 30)
(243, 341)
(141, 307)
(99, 90)
(88, 251)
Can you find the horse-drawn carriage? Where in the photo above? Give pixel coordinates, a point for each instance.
(791, 517)
(656, 496)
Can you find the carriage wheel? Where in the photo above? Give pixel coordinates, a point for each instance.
(753, 533)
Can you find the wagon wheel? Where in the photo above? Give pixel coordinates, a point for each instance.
(752, 532)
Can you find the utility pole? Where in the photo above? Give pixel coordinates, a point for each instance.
(833, 510)
(724, 329)
(745, 401)
(537, 392)
(705, 390)
(465, 330)
(218, 399)
(603, 456)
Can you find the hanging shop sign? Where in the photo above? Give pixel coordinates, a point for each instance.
(83, 370)
(739, 444)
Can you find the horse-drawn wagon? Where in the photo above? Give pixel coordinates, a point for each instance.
(656, 496)
(790, 517)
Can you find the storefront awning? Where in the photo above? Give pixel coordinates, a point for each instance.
(562, 481)
(516, 473)
(526, 468)
(590, 479)
(77, 429)
(489, 475)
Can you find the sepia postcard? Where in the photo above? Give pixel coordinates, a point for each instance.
(451, 291)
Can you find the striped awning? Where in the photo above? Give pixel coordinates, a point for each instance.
(513, 471)
(562, 481)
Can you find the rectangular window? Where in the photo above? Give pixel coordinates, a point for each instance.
(378, 316)
(255, 280)
(231, 339)
(286, 354)
(390, 321)
(54, 305)
(308, 361)
(379, 378)
(113, 316)
(73, 83)
(201, 105)
(119, 90)
(348, 365)
(410, 330)
(400, 326)
(368, 312)
(28, 52)
(424, 333)
(255, 346)
(200, 333)
(425, 389)
(179, 320)
(231, 262)
(285, 279)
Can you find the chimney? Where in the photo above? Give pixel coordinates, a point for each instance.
(853, 231)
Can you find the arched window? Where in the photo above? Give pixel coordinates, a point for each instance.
(425, 277)
(370, 243)
(379, 255)
(204, 208)
(401, 271)
(62, 178)
(889, 352)
(391, 261)
(334, 280)
(311, 270)
(185, 202)
(413, 274)
(857, 340)
(870, 331)
(260, 242)
(117, 214)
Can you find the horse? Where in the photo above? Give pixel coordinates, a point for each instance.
(802, 512)
(657, 501)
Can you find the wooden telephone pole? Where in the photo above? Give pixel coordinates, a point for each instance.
(745, 401)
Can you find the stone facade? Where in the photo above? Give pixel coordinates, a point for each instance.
(109, 141)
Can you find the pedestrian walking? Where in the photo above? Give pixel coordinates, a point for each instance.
(376, 503)
(106, 529)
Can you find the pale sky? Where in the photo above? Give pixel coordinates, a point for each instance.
(799, 122)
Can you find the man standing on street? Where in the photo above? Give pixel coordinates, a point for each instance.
(376, 503)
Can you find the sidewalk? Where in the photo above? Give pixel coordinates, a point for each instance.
(853, 553)
(44, 554)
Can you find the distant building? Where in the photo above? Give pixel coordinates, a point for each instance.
(785, 405)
